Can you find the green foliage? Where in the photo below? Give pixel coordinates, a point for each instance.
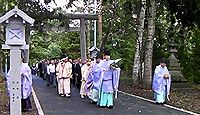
(119, 29)
(190, 56)
(54, 51)
(53, 45)
(186, 11)
(162, 30)
(177, 21)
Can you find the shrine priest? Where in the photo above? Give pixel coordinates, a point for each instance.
(161, 83)
(26, 86)
(108, 82)
(26, 81)
(93, 81)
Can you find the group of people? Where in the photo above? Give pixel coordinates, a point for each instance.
(97, 79)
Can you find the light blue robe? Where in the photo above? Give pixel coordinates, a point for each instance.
(109, 83)
(161, 86)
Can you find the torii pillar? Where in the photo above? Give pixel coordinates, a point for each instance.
(83, 18)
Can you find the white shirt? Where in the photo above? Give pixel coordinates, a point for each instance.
(51, 68)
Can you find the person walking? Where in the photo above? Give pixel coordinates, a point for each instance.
(161, 83)
(108, 82)
(85, 72)
(93, 81)
(64, 69)
(51, 71)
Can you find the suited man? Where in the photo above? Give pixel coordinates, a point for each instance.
(76, 70)
(40, 69)
(73, 80)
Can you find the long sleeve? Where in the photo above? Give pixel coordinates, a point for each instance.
(158, 80)
(48, 70)
(116, 76)
(58, 67)
(83, 72)
(67, 72)
(26, 80)
(70, 70)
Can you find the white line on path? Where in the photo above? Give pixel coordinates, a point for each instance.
(169, 106)
(37, 103)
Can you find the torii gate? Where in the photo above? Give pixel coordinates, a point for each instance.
(82, 18)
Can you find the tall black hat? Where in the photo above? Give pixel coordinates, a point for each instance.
(106, 52)
(163, 60)
(98, 56)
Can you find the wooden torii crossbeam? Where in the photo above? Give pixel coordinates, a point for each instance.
(67, 15)
(84, 16)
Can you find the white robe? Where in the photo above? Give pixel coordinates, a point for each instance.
(161, 86)
(64, 74)
(84, 72)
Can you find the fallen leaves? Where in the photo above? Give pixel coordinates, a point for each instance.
(186, 98)
(4, 103)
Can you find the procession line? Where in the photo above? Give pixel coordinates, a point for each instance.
(37, 103)
(169, 106)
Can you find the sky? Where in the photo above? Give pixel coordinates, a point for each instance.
(62, 3)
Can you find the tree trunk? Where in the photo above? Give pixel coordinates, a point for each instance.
(149, 44)
(1, 62)
(104, 39)
(88, 37)
(1, 55)
(100, 26)
(137, 59)
(1, 70)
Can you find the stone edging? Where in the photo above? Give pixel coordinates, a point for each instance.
(169, 106)
(37, 103)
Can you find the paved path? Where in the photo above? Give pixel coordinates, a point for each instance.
(53, 104)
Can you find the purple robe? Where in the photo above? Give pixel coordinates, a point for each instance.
(110, 77)
(26, 80)
(96, 73)
(116, 75)
(93, 80)
(159, 82)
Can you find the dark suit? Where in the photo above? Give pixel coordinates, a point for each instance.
(40, 69)
(76, 71)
